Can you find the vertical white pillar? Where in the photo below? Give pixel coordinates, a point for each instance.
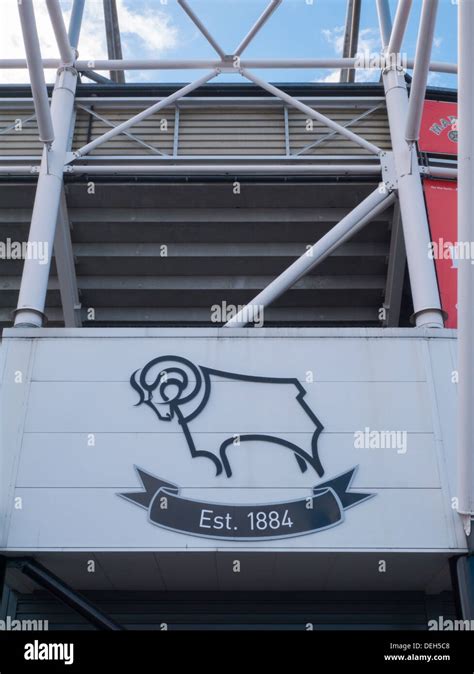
(35, 69)
(421, 69)
(62, 39)
(34, 282)
(399, 26)
(75, 22)
(465, 460)
(385, 21)
(424, 286)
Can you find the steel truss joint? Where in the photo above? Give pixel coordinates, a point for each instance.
(29, 310)
(67, 68)
(396, 71)
(230, 63)
(389, 172)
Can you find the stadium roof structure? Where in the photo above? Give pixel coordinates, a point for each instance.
(394, 165)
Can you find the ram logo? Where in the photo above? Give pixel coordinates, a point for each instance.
(174, 388)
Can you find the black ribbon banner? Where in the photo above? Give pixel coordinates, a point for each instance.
(324, 508)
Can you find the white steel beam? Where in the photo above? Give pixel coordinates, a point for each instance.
(440, 172)
(439, 67)
(201, 64)
(385, 21)
(17, 170)
(85, 149)
(330, 135)
(312, 114)
(106, 121)
(261, 21)
(74, 31)
(57, 21)
(198, 23)
(465, 451)
(362, 214)
(63, 252)
(229, 169)
(399, 26)
(62, 237)
(75, 22)
(420, 71)
(34, 283)
(35, 68)
(424, 286)
(65, 268)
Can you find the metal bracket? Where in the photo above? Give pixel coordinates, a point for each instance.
(387, 67)
(389, 174)
(67, 68)
(41, 314)
(230, 64)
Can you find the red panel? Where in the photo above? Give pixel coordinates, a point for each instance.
(438, 131)
(441, 202)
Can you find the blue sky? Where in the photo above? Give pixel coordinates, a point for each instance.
(298, 29)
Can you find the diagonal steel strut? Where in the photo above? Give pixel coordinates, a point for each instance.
(85, 149)
(312, 114)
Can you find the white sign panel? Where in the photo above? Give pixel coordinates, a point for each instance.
(199, 439)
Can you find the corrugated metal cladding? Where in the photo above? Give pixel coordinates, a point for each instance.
(208, 130)
(19, 132)
(252, 610)
(218, 247)
(153, 252)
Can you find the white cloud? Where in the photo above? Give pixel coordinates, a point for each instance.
(144, 33)
(333, 76)
(369, 45)
(11, 39)
(369, 41)
(335, 37)
(368, 75)
(437, 42)
(153, 27)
